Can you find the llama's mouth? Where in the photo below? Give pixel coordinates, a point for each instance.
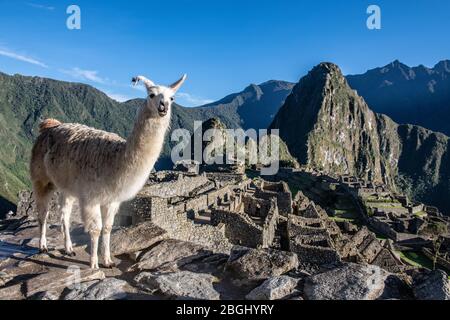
(162, 113)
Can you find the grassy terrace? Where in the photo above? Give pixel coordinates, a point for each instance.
(416, 259)
(374, 204)
(421, 214)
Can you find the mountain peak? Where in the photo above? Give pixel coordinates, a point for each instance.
(324, 119)
(397, 64)
(442, 66)
(255, 89)
(320, 76)
(326, 68)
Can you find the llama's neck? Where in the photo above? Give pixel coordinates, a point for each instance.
(145, 143)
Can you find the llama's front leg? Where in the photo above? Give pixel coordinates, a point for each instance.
(93, 224)
(108, 213)
(66, 204)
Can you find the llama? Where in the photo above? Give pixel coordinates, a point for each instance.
(98, 168)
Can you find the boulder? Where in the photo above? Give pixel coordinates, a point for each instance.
(170, 254)
(136, 238)
(209, 264)
(106, 289)
(13, 292)
(433, 285)
(349, 282)
(47, 295)
(273, 289)
(259, 264)
(5, 278)
(60, 279)
(180, 285)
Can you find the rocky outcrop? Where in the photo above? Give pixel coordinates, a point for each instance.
(273, 289)
(260, 264)
(350, 282)
(60, 279)
(434, 285)
(170, 254)
(107, 289)
(136, 238)
(174, 269)
(182, 285)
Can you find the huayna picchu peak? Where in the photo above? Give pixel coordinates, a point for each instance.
(328, 126)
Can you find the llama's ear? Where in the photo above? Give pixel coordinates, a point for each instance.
(176, 85)
(147, 82)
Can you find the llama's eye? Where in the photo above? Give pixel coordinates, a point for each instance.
(172, 98)
(152, 95)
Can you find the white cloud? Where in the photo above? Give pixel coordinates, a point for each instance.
(21, 57)
(117, 96)
(40, 6)
(81, 74)
(138, 87)
(193, 100)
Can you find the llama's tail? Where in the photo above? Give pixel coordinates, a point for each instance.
(47, 124)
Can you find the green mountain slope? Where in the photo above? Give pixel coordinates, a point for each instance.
(25, 101)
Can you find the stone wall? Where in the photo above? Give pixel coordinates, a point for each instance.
(256, 207)
(240, 229)
(27, 207)
(279, 191)
(382, 227)
(313, 254)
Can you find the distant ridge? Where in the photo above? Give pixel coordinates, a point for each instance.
(416, 95)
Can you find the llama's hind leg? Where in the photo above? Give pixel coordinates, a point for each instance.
(108, 213)
(93, 224)
(42, 195)
(66, 204)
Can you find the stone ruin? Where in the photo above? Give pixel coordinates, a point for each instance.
(222, 222)
(318, 240)
(215, 209)
(312, 236)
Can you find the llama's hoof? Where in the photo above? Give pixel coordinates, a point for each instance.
(70, 253)
(43, 250)
(111, 265)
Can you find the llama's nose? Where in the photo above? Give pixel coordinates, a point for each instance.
(162, 107)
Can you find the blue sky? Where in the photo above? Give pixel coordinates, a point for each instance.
(222, 45)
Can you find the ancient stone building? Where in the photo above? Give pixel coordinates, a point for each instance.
(312, 237)
(180, 202)
(364, 246)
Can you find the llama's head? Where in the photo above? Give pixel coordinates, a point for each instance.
(159, 98)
